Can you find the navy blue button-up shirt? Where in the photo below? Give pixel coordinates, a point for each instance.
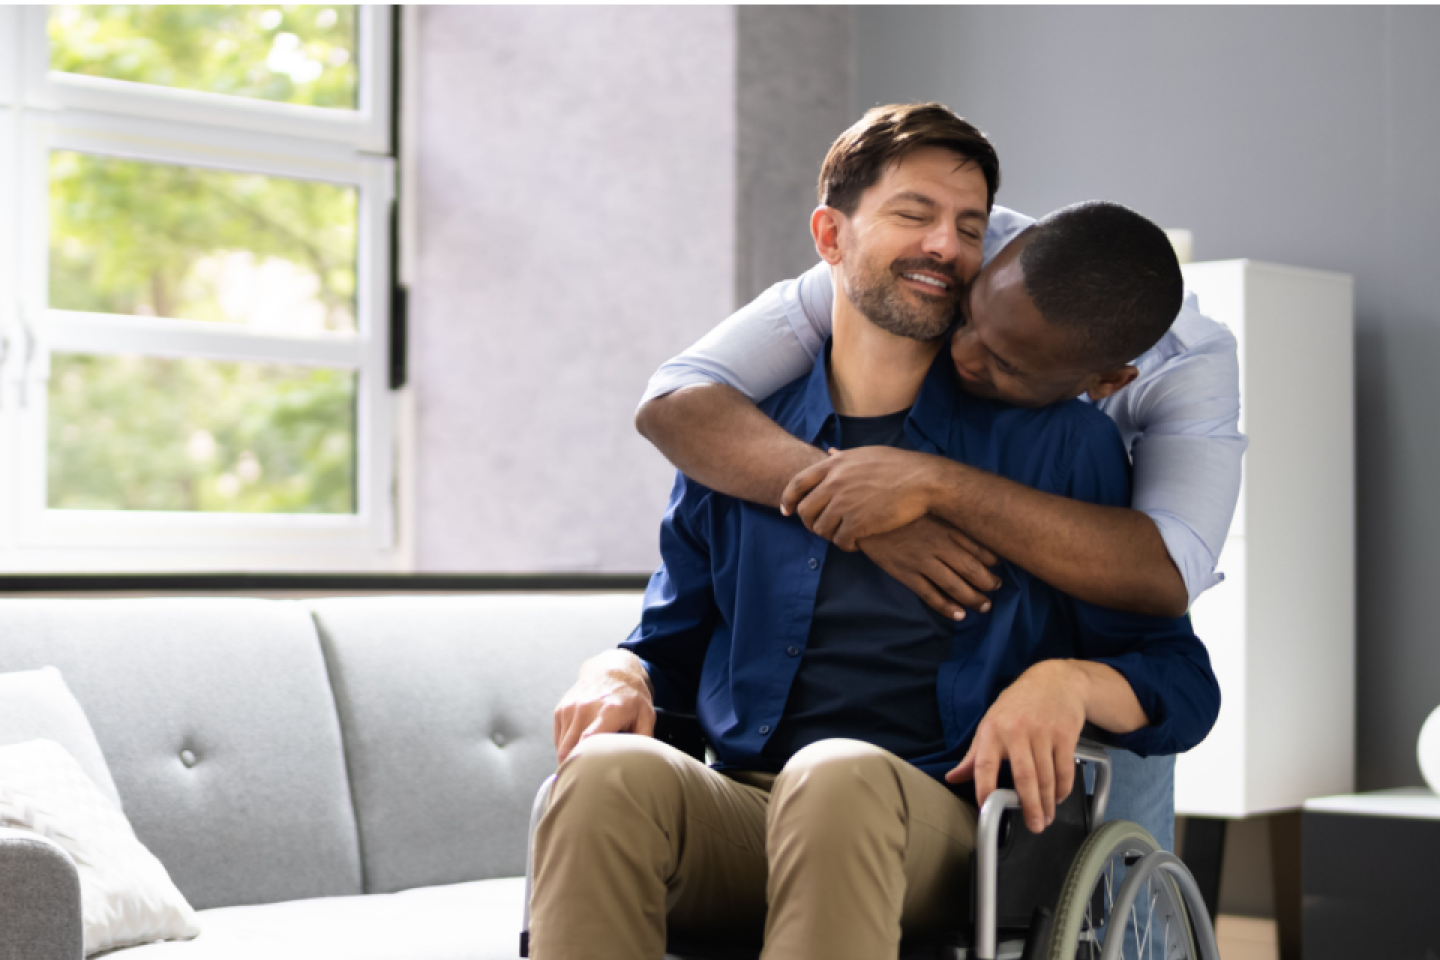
(733, 599)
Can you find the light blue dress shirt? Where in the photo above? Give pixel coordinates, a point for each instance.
(1179, 419)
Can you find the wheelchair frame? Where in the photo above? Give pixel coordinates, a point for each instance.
(990, 822)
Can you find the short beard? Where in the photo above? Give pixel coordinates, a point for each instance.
(878, 297)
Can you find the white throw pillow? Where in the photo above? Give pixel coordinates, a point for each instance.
(37, 704)
(126, 897)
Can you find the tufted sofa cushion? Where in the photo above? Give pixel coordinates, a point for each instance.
(445, 704)
(219, 726)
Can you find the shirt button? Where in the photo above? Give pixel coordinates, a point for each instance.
(765, 729)
(793, 651)
(813, 563)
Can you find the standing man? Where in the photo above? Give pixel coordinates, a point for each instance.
(1178, 415)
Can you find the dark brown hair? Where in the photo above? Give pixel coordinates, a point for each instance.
(862, 154)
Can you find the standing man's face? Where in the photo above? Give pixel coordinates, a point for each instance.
(914, 243)
(1005, 349)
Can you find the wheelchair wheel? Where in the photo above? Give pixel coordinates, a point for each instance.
(1156, 926)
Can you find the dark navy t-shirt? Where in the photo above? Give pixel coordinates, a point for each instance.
(869, 665)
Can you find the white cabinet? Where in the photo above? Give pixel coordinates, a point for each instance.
(1281, 627)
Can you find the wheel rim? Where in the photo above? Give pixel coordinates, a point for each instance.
(1156, 927)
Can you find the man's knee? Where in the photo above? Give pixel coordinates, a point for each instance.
(837, 786)
(610, 774)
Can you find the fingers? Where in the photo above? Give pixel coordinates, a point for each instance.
(645, 722)
(1044, 756)
(957, 591)
(1064, 772)
(958, 556)
(1022, 766)
(568, 738)
(963, 770)
(801, 484)
(586, 720)
(926, 591)
(981, 554)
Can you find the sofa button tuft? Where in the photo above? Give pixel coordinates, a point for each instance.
(188, 758)
(499, 739)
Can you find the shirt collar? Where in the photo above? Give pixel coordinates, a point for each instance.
(931, 416)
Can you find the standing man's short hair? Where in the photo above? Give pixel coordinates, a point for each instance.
(861, 155)
(1108, 274)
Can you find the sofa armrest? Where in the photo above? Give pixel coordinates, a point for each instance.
(39, 900)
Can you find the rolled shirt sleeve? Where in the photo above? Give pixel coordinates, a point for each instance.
(1188, 447)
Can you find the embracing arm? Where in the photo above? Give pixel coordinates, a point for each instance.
(1110, 556)
(714, 434)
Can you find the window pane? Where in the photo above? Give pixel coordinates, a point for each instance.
(154, 239)
(287, 53)
(148, 433)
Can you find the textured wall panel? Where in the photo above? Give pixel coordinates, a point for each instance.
(576, 222)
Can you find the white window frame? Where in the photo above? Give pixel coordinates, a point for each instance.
(34, 538)
(9, 68)
(11, 345)
(366, 128)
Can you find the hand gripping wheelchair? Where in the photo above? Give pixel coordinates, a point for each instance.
(1081, 890)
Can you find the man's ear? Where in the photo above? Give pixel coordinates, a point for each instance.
(1102, 385)
(825, 228)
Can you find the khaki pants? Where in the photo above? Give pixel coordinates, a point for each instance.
(848, 844)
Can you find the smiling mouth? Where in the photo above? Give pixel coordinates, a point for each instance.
(934, 283)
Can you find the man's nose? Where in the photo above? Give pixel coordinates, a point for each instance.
(943, 243)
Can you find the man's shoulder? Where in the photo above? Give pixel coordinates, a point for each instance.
(1072, 421)
(1069, 448)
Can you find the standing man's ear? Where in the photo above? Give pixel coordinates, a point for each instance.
(825, 225)
(1102, 385)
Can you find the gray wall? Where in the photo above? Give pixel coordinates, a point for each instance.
(795, 88)
(593, 188)
(1294, 134)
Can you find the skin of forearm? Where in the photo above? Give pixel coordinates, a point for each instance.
(714, 435)
(1109, 556)
(1110, 701)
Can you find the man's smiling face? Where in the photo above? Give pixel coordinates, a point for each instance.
(915, 242)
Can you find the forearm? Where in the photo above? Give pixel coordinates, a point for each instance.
(1110, 703)
(1109, 556)
(717, 437)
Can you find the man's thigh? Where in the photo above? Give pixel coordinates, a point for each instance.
(635, 831)
(1142, 789)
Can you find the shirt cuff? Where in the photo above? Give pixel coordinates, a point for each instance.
(1192, 557)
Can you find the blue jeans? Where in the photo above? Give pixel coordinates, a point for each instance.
(1143, 790)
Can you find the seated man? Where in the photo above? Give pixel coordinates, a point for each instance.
(842, 710)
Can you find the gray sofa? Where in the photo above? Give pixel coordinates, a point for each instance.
(346, 778)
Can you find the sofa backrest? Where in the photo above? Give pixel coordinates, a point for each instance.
(446, 706)
(218, 723)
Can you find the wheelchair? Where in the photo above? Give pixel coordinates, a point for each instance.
(1081, 890)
